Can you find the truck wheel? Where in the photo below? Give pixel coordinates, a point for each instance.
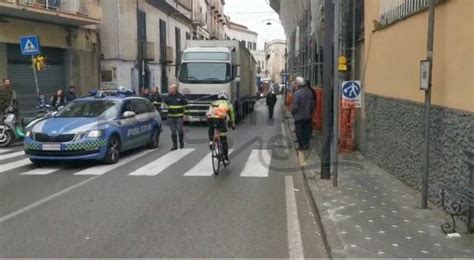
(238, 112)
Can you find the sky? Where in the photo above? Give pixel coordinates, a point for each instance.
(253, 13)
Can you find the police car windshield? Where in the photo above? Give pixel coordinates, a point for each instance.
(88, 108)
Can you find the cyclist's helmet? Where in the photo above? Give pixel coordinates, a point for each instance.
(223, 95)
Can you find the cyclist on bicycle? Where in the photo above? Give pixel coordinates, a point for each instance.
(219, 113)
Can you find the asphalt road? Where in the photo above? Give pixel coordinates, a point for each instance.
(156, 203)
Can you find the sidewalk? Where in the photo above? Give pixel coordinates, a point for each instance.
(373, 214)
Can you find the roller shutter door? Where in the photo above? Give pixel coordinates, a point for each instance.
(22, 79)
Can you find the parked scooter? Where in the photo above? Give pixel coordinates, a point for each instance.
(13, 130)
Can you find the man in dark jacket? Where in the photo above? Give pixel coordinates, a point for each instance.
(155, 98)
(303, 111)
(71, 94)
(176, 104)
(7, 96)
(271, 102)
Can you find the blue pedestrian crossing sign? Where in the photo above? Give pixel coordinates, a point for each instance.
(30, 45)
(351, 90)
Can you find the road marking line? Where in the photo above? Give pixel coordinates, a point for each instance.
(295, 243)
(258, 164)
(11, 155)
(158, 166)
(5, 151)
(103, 169)
(42, 201)
(13, 165)
(75, 186)
(203, 168)
(40, 171)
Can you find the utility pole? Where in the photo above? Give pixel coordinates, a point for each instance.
(337, 42)
(327, 83)
(426, 147)
(353, 58)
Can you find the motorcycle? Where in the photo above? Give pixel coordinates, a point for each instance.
(13, 130)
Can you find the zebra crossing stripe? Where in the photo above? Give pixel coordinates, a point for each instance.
(13, 165)
(203, 168)
(158, 166)
(257, 165)
(11, 155)
(5, 151)
(40, 171)
(103, 169)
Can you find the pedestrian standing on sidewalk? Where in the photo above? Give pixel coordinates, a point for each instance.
(271, 102)
(7, 97)
(155, 98)
(145, 93)
(176, 104)
(58, 100)
(71, 94)
(303, 111)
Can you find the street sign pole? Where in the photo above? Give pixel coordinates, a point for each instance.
(327, 83)
(426, 148)
(337, 31)
(30, 46)
(35, 75)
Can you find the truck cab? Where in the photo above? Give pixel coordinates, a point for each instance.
(207, 70)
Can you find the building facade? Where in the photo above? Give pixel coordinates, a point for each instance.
(249, 38)
(393, 101)
(142, 42)
(275, 60)
(69, 39)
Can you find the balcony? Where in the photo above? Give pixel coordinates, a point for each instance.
(198, 19)
(63, 12)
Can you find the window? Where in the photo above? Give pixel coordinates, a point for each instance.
(188, 36)
(202, 72)
(254, 46)
(150, 106)
(107, 76)
(222, 56)
(106, 109)
(139, 106)
(244, 43)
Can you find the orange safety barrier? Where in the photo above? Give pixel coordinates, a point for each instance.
(318, 110)
(346, 126)
(289, 100)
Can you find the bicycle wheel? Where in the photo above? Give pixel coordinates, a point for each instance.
(216, 158)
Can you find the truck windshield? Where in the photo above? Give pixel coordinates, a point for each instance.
(201, 72)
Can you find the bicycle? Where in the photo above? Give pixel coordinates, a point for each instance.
(217, 154)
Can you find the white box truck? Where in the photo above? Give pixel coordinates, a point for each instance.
(208, 67)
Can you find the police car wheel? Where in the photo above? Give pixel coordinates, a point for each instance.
(155, 139)
(112, 154)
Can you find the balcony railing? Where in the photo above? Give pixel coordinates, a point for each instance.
(76, 7)
(198, 19)
(67, 12)
(394, 10)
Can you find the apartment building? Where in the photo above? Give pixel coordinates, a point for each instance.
(275, 60)
(395, 43)
(68, 35)
(142, 42)
(208, 20)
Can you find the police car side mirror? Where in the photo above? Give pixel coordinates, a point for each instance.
(129, 114)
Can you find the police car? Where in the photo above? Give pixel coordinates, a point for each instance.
(95, 128)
